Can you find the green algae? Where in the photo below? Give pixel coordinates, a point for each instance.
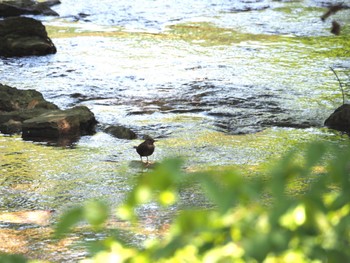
(207, 34)
(327, 47)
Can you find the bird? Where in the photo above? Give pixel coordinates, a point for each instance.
(146, 148)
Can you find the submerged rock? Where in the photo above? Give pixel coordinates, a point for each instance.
(23, 36)
(60, 123)
(340, 119)
(121, 132)
(246, 6)
(17, 8)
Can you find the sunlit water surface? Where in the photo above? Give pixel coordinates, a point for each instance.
(219, 83)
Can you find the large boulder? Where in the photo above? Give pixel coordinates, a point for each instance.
(17, 106)
(16, 8)
(13, 99)
(60, 123)
(28, 112)
(340, 119)
(11, 122)
(23, 36)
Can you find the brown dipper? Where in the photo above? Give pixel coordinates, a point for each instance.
(146, 148)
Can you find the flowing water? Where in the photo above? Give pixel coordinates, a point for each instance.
(219, 83)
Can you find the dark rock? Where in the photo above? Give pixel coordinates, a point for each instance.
(340, 119)
(13, 99)
(17, 106)
(60, 123)
(23, 7)
(21, 115)
(23, 36)
(40, 120)
(121, 132)
(11, 127)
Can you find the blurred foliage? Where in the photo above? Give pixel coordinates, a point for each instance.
(12, 258)
(95, 212)
(313, 227)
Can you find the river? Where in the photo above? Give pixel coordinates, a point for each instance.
(218, 83)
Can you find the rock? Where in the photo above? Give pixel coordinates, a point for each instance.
(121, 132)
(340, 119)
(17, 106)
(28, 112)
(23, 36)
(20, 115)
(60, 123)
(31, 7)
(11, 127)
(13, 99)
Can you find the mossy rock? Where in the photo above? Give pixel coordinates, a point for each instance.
(13, 99)
(60, 123)
(23, 36)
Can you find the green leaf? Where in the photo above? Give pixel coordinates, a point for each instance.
(339, 167)
(68, 220)
(314, 153)
(212, 188)
(4, 258)
(285, 170)
(96, 213)
(157, 184)
(219, 194)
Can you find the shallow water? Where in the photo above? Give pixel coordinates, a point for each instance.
(219, 83)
